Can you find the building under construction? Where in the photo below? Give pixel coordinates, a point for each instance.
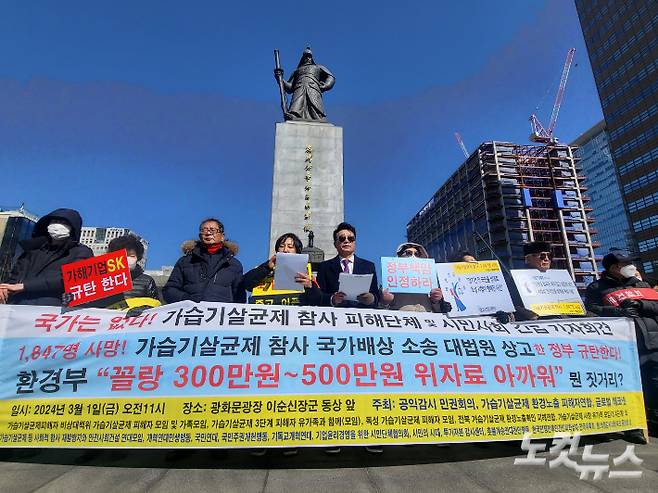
(505, 195)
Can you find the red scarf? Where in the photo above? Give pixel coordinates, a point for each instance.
(214, 248)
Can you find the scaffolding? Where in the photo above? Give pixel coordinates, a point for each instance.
(505, 195)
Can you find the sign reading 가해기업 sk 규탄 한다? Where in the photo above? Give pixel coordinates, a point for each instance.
(232, 375)
(97, 277)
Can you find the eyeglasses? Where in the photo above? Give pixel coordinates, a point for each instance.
(409, 253)
(542, 255)
(342, 238)
(212, 231)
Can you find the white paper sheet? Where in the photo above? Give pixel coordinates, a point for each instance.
(354, 284)
(287, 267)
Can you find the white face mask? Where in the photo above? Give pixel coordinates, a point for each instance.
(628, 271)
(132, 262)
(59, 231)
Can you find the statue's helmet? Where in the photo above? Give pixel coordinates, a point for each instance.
(307, 57)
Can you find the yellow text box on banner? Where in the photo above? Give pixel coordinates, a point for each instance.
(558, 308)
(317, 420)
(461, 268)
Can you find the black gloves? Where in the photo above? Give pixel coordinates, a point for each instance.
(137, 311)
(503, 317)
(66, 299)
(631, 308)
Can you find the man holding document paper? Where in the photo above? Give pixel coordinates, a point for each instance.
(347, 280)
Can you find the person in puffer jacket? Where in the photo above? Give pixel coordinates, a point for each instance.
(619, 292)
(210, 272)
(36, 278)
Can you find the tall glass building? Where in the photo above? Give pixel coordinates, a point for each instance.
(622, 43)
(612, 227)
(16, 225)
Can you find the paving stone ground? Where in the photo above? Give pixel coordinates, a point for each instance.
(455, 469)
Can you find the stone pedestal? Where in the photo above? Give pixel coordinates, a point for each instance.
(295, 143)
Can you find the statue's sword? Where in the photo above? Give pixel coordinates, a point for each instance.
(278, 71)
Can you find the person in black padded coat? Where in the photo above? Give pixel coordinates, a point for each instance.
(36, 278)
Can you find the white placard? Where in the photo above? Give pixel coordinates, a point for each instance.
(474, 288)
(548, 293)
(354, 284)
(288, 265)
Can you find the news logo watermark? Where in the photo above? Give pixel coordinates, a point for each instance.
(564, 452)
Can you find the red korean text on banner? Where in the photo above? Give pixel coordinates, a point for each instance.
(96, 278)
(617, 297)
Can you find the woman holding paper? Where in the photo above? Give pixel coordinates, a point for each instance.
(414, 302)
(260, 280)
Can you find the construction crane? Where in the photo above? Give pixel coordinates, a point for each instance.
(545, 135)
(459, 140)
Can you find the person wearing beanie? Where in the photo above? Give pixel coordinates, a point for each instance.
(433, 301)
(36, 278)
(209, 272)
(537, 255)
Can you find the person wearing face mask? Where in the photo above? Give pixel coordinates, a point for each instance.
(260, 280)
(619, 292)
(210, 272)
(414, 302)
(144, 292)
(36, 278)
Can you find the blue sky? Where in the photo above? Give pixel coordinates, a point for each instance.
(154, 115)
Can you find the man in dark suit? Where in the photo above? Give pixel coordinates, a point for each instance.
(346, 261)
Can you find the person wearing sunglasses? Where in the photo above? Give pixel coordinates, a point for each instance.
(210, 272)
(537, 255)
(433, 301)
(346, 261)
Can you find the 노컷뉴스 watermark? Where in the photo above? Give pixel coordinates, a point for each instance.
(563, 452)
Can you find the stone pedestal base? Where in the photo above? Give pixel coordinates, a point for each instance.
(289, 181)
